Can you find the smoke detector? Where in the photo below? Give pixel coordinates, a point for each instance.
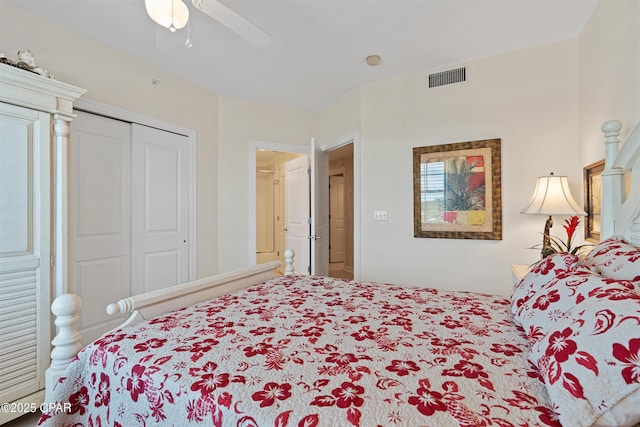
(373, 60)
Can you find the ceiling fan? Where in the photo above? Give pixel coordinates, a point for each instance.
(174, 14)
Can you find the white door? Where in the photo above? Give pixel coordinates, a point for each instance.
(99, 218)
(297, 212)
(319, 210)
(124, 213)
(25, 248)
(160, 209)
(337, 244)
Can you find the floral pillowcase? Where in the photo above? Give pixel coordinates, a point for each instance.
(547, 293)
(616, 259)
(589, 360)
(584, 333)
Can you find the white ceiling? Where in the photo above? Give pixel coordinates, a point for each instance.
(318, 47)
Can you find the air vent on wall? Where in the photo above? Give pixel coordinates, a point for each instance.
(448, 77)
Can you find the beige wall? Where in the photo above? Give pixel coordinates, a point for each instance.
(340, 118)
(528, 99)
(121, 81)
(243, 121)
(609, 73)
(545, 103)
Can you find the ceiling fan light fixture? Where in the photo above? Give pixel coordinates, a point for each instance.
(171, 14)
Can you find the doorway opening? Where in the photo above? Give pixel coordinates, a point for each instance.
(271, 204)
(337, 149)
(341, 212)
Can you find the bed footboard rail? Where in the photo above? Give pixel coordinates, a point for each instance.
(65, 308)
(155, 303)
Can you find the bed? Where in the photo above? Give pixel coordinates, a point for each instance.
(250, 348)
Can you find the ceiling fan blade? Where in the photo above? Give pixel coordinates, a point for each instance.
(233, 21)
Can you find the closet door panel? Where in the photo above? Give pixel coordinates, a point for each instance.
(160, 214)
(100, 212)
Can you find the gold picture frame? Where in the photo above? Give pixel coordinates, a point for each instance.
(457, 190)
(592, 198)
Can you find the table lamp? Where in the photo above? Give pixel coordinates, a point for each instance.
(552, 197)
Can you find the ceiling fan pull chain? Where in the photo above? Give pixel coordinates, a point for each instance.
(172, 27)
(188, 42)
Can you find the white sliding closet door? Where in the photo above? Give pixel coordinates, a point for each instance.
(160, 207)
(100, 217)
(129, 219)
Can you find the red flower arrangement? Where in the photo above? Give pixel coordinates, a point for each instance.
(570, 226)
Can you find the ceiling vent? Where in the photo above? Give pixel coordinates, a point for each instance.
(448, 77)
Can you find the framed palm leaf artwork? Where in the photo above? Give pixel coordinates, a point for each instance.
(457, 190)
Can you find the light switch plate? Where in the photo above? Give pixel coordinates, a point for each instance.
(380, 215)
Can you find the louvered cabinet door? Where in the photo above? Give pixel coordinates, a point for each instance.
(24, 253)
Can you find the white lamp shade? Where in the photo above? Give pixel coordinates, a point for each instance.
(552, 197)
(162, 12)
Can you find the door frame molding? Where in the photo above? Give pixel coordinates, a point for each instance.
(117, 113)
(255, 145)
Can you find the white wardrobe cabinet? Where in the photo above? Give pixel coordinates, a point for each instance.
(34, 134)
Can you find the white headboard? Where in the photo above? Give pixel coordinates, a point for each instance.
(620, 214)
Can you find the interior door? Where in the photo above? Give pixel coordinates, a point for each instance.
(160, 208)
(297, 212)
(337, 238)
(319, 210)
(99, 218)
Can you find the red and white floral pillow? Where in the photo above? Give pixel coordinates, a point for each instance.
(584, 333)
(547, 293)
(590, 361)
(616, 259)
(547, 269)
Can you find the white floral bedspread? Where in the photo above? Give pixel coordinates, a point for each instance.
(311, 351)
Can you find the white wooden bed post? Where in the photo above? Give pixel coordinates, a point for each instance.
(612, 180)
(621, 205)
(288, 261)
(66, 343)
